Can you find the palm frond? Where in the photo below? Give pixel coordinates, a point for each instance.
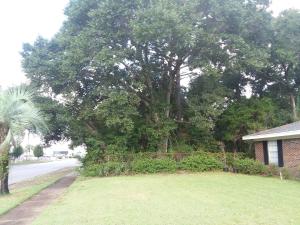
(18, 111)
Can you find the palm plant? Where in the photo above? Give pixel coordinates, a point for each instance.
(17, 113)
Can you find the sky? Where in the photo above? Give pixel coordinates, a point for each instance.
(22, 21)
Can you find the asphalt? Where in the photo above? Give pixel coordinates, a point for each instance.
(18, 173)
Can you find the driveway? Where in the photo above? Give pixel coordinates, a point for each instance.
(20, 173)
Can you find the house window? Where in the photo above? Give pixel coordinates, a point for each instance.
(273, 152)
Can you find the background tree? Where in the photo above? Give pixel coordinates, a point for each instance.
(286, 58)
(245, 117)
(17, 151)
(38, 151)
(279, 77)
(17, 113)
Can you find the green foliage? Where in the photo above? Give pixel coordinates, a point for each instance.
(206, 99)
(153, 165)
(38, 151)
(250, 166)
(18, 111)
(118, 67)
(105, 169)
(200, 163)
(272, 170)
(286, 174)
(56, 117)
(118, 111)
(149, 162)
(182, 148)
(245, 117)
(17, 151)
(280, 76)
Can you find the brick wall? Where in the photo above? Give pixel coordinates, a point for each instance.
(259, 151)
(291, 153)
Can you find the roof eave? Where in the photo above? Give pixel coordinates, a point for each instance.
(274, 136)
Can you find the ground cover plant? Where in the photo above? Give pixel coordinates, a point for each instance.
(177, 199)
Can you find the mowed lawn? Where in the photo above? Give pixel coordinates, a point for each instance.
(177, 199)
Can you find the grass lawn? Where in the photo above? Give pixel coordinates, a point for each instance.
(24, 190)
(177, 199)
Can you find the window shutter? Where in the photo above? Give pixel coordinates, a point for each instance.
(280, 153)
(266, 155)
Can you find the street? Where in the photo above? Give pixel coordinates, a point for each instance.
(19, 173)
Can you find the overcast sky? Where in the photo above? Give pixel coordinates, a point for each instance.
(22, 21)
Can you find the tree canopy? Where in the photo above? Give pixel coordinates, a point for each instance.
(116, 73)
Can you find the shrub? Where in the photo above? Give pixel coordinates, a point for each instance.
(250, 166)
(38, 151)
(285, 173)
(17, 151)
(200, 163)
(182, 148)
(272, 170)
(105, 169)
(153, 165)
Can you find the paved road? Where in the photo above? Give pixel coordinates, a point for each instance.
(25, 172)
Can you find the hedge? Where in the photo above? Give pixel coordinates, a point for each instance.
(250, 166)
(200, 163)
(170, 163)
(153, 165)
(105, 169)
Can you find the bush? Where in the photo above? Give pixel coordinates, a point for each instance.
(285, 173)
(153, 165)
(17, 151)
(272, 170)
(38, 151)
(182, 148)
(200, 163)
(250, 166)
(105, 169)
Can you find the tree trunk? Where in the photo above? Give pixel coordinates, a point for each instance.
(178, 96)
(4, 163)
(172, 74)
(4, 160)
(4, 185)
(294, 109)
(164, 147)
(235, 149)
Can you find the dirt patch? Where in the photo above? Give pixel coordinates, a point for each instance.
(25, 213)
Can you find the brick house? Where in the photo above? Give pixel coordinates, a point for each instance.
(279, 146)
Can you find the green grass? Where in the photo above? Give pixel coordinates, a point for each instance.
(24, 190)
(178, 199)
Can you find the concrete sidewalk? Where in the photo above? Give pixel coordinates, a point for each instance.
(25, 213)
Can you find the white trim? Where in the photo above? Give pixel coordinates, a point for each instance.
(274, 136)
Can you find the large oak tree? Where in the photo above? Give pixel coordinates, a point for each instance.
(136, 54)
